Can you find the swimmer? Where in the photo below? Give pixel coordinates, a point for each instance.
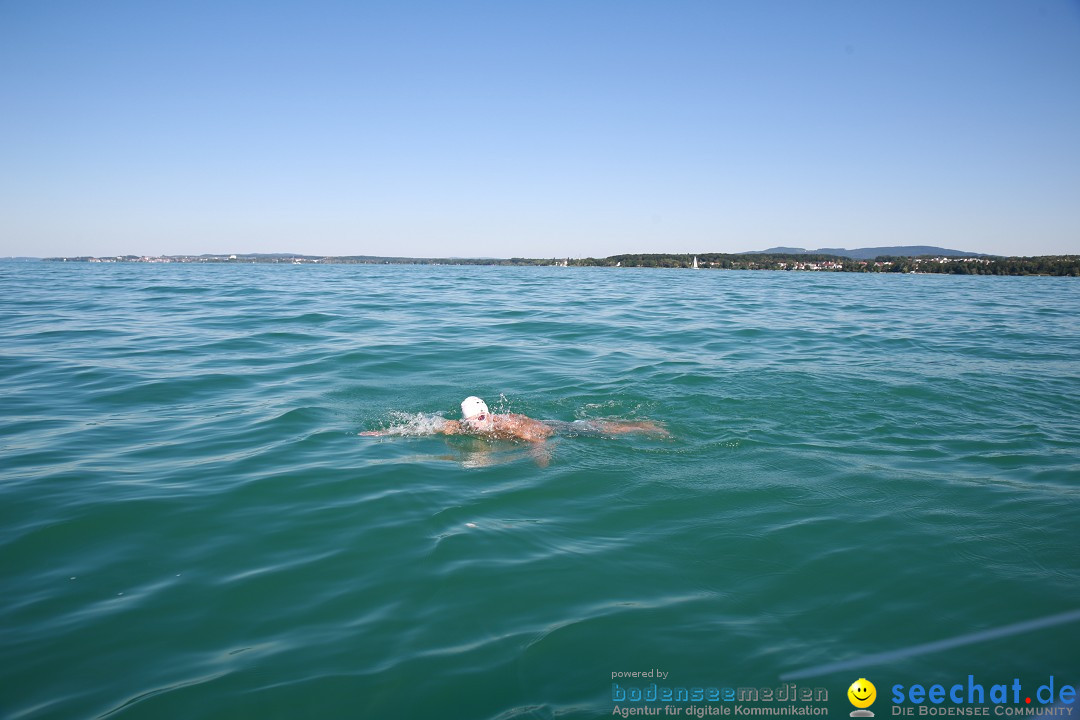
(476, 419)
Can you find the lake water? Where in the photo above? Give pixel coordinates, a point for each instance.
(191, 527)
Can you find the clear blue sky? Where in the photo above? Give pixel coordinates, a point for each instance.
(538, 128)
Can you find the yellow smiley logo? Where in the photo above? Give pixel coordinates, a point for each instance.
(862, 693)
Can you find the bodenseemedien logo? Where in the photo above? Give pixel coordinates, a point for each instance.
(862, 694)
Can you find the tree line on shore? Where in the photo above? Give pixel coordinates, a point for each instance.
(1059, 265)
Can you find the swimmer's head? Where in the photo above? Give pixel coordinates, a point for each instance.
(474, 412)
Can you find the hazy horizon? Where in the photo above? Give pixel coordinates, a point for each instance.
(776, 250)
(557, 130)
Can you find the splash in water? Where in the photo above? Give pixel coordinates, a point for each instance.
(413, 424)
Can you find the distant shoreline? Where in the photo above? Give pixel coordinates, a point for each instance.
(1050, 265)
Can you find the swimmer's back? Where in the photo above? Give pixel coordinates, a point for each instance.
(521, 426)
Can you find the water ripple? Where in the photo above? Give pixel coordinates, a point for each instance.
(190, 520)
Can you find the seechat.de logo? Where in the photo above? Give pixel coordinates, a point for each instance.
(862, 694)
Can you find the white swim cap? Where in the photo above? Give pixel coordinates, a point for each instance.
(473, 406)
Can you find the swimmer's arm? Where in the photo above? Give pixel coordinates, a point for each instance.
(451, 427)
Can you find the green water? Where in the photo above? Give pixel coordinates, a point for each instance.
(190, 526)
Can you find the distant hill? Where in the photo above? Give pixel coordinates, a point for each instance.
(871, 253)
